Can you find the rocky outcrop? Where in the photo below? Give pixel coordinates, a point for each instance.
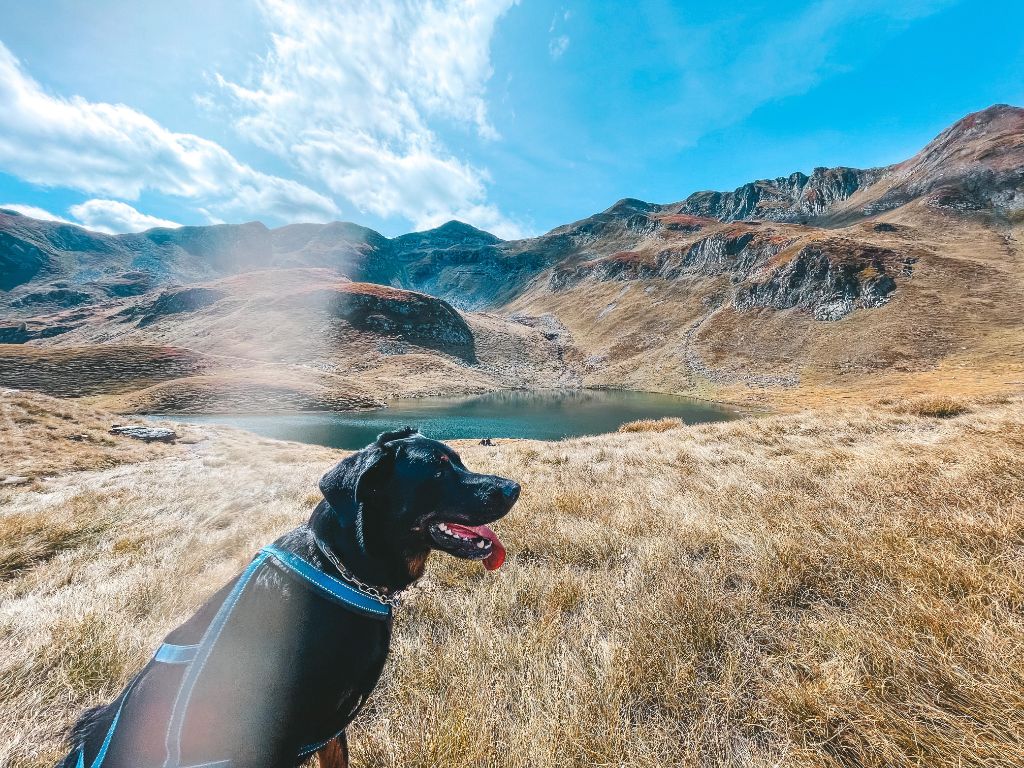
(737, 251)
(769, 268)
(58, 295)
(793, 198)
(623, 265)
(829, 280)
(20, 333)
(172, 302)
(681, 222)
(408, 316)
(626, 221)
(144, 433)
(20, 260)
(133, 283)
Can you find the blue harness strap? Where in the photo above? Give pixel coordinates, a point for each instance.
(329, 586)
(169, 653)
(195, 656)
(177, 721)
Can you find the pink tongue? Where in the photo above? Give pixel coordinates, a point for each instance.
(496, 557)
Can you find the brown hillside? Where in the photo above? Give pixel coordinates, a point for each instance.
(299, 339)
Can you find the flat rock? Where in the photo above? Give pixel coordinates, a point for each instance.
(146, 434)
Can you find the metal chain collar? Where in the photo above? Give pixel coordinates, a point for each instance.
(376, 593)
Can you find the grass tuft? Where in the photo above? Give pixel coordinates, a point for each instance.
(936, 406)
(652, 425)
(34, 536)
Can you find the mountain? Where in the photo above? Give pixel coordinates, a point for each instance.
(846, 281)
(826, 284)
(47, 263)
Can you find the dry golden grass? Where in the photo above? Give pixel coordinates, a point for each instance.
(840, 589)
(651, 425)
(936, 406)
(41, 436)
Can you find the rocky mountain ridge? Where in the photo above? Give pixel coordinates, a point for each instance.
(975, 165)
(796, 198)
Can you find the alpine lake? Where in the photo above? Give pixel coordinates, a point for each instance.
(536, 414)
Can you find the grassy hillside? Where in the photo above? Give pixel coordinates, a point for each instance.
(298, 339)
(42, 437)
(835, 589)
(665, 320)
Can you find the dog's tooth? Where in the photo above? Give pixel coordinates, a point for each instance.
(480, 545)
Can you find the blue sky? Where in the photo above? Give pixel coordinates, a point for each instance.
(516, 117)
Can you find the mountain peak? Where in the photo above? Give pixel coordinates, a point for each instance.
(453, 230)
(630, 205)
(980, 137)
(992, 114)
(975, 163)
(456, 227)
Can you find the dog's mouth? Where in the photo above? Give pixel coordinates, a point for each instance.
(470, 542)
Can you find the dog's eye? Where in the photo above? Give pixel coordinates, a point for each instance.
(445, 461)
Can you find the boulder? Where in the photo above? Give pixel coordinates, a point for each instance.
(146, 434)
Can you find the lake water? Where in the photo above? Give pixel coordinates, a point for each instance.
(541, 415)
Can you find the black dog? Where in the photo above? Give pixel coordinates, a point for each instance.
(279, 661)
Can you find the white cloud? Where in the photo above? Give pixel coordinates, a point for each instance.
(115, 217)
(350, 93)
(558, 45)
(33, 212)
(112, 149)
(110, 216)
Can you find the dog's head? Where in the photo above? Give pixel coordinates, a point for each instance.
(410, 494)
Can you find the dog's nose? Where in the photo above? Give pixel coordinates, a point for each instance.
(511, 491)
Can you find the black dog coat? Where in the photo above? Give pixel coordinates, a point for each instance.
(179, 699)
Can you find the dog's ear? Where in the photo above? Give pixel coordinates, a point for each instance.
(345, 482)
(399, 434)
(382, 449)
